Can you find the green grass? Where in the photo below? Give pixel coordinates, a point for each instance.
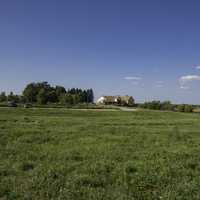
(83, 155)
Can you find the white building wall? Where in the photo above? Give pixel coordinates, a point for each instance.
(101, 100)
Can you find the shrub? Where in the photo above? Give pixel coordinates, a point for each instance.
(188, 108)
(185, 108)
(181, 108)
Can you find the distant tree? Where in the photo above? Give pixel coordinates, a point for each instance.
(42, 97)
(181, 108)
(188, 108)
(90, 96)
(131, 101)
(3, 97)
(72, 91)
(167, 105)
(67, 99)
(42, 92)
(62, 99)
(30, 92)
(17, 98)
(51, 96)
(59, 91)
(76, 99)
(157, 105)
(22, 99)
(11, 96)
(84, 96)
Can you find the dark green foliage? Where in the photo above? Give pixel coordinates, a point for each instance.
(181, 108)
(90, 96)
(185, 108)
(42, 97)
(14, 98)
(82, 96)
(154, 105)
(52, 96)
(67, 99)
(39, 92)
(98, 155)
(188, 108)
(167, 105)
(31, 91)
(60, 90)
(43, 93)
(131, 102)
(3, 97)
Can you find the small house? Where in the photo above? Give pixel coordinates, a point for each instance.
(116, 100)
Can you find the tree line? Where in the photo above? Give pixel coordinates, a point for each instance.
(167, 105)
(44, 93)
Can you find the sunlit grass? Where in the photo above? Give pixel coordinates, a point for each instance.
(65, 154)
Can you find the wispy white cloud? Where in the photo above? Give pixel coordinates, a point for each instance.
(189, 78)
(136, 78)
(185, 80)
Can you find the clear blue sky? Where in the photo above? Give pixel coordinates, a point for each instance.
(148, 49)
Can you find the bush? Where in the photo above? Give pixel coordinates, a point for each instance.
(167, 105)
(157, 105)
(185, 108)
(188, 108)
(181, 108)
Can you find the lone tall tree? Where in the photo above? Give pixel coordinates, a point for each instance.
(3, 97)
(90, 96)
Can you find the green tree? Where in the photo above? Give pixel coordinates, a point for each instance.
(59, 91)
(11, 96)
(76, 99)
(42, 92)
(69, 99)
(30, 92)
(42, 97)
(22, 99)
(72, 91)
(51, 96)
(167, 105)
(130, 101)
(3, 97)
(181, 108)
(188, 108)
(90, 96)
(62, 99)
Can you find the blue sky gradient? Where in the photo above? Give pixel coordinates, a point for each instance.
(99, 44)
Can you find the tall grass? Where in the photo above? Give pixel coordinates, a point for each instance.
(87, 155)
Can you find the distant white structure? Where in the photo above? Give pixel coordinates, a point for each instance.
(108, 100)
(116, 100)
(101, 100)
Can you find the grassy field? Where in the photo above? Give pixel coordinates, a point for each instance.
(108, 155)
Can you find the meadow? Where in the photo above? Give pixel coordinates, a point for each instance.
(65, 154)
